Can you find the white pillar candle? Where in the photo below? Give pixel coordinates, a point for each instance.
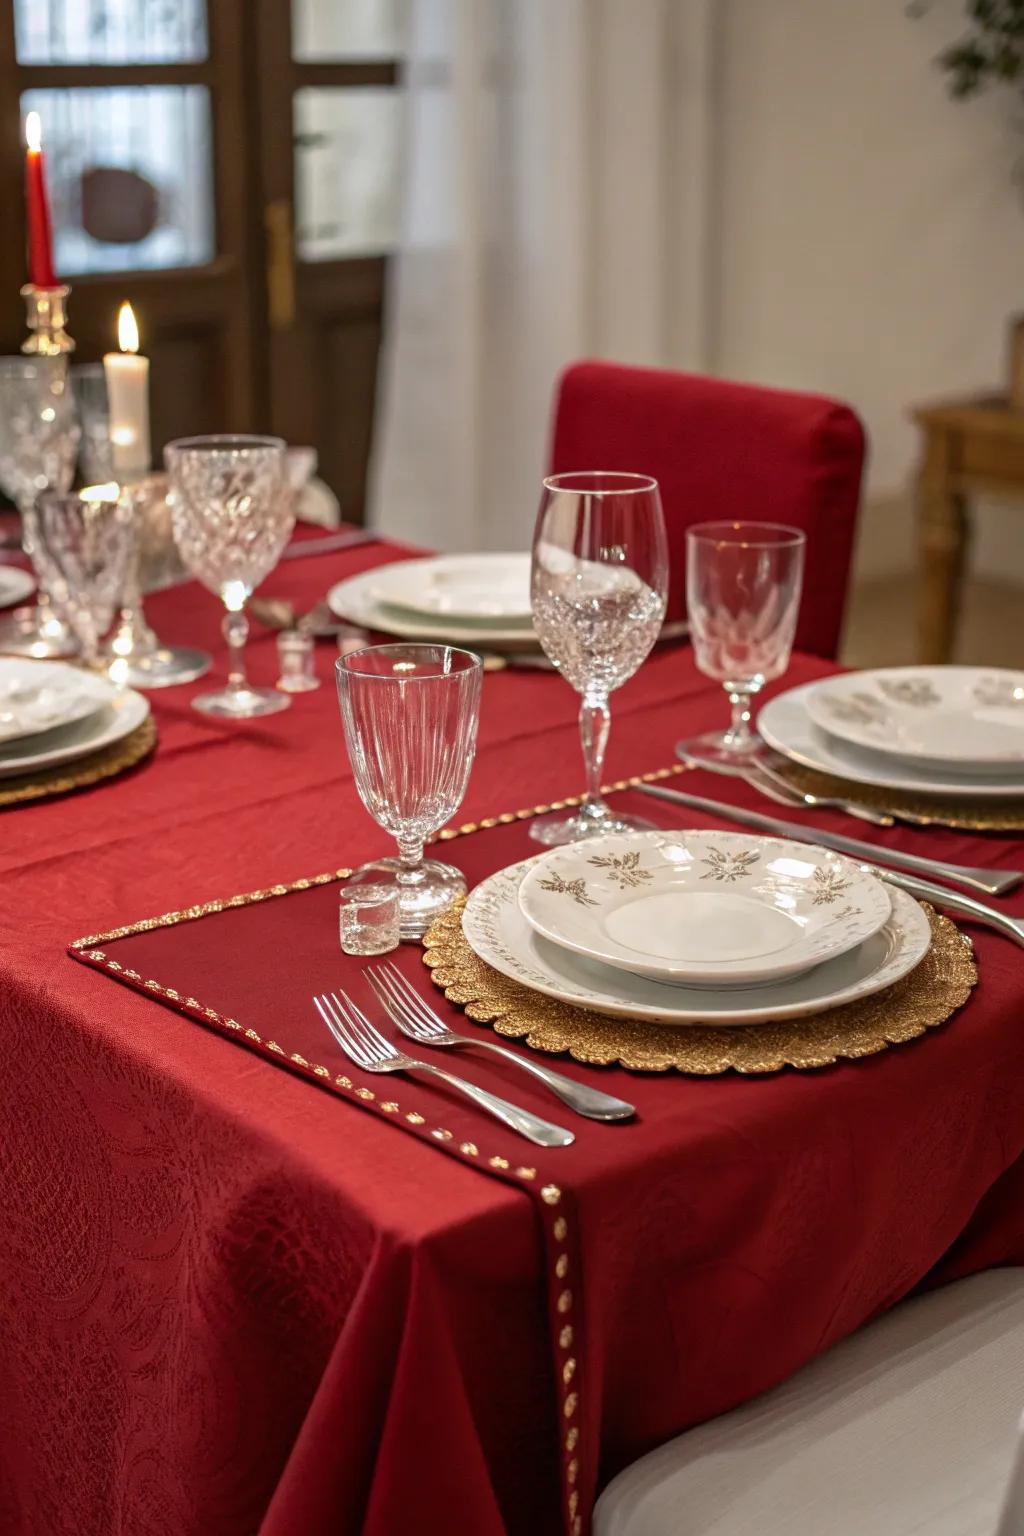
(127, 375)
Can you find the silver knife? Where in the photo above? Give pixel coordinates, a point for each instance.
(992, 881)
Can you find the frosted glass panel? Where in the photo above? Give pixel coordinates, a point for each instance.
(110, 31)
(129, 174)
(326, 30)
(346, 171)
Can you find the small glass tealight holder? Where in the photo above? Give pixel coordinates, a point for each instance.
(369, 913)
(295, 654)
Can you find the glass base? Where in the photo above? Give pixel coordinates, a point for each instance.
(35, 632)
(718, 750)
(163, 668)
(241, 703)
(553, 831)
(423, 901)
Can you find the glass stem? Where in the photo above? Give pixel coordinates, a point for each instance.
(235, 628)
(411, 853)
(595, 721)
(739, 737)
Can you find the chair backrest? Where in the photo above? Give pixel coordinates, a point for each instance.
(725, 451)
(1011, 1521)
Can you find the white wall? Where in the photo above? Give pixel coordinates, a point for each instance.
(867, 235)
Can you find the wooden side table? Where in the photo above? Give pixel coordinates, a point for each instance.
(970, 446)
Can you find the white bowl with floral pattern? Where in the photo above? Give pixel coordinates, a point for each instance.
(716, 909)
(967, 719)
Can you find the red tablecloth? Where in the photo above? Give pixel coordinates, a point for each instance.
(232, 1304)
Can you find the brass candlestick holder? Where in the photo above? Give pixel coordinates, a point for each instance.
(46, 316)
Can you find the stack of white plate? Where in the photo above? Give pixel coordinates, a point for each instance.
(928, 730)
(463, 599)
(696, 927)
(51, 713)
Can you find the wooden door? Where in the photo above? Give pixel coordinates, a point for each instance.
(143, 117)
(329, 123)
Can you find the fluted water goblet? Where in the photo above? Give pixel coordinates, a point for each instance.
(232, 517)
(38, 445)
(410, 714)
(599, 583)
(87, 541)
(743, 586)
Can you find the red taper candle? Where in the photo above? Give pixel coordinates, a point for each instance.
(40, 238)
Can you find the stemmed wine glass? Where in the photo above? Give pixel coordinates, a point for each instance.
(410, 718)
(598, 588)
(38, 444)
(232, 517)
(743, 585)
(86, 541)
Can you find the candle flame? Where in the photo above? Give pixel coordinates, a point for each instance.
(34, 132)
(127, 329)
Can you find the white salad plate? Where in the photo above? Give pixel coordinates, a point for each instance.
(499, 934)
(15, 585)
(462, 587)
(957, 719)
(359, 600)
(118, 719)
(722, 909)
(39, 696)
(786, 726)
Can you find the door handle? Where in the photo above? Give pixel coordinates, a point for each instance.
(277, 221)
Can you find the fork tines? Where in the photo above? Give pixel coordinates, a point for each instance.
(402, 1003)
(358, 1038)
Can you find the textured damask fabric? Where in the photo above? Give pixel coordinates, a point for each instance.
(230, 1304)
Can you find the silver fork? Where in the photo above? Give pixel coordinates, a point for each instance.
(410, 1013)
(367, 1047)
(760, 776)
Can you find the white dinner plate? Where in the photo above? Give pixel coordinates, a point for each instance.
(497, 931)
(493, 588)
(15, 585)
(787, 728)
(358, 601)
(722, 909)
(117, 719)
(950, 719)
(40, 696)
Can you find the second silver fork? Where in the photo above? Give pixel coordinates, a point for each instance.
(418, 1021)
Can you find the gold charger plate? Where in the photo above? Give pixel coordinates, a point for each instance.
(924, 810)
(45, 783)
(926, 998)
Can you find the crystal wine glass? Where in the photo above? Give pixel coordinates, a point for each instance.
(410, 717)
(38, 444)
(598, 588)
(232, 517)
(87, 543)
(743, 584)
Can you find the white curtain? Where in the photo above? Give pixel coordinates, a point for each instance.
(554, 204)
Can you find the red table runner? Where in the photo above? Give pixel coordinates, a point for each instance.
(233, 1304)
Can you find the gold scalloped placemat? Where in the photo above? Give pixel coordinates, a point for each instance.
(926, 998)
(924, 810)
(84, 771)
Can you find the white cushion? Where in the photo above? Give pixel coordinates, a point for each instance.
(908, 1428)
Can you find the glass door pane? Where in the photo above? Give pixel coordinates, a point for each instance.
(346, 171)
(110, 31)
(130, 176)
(327, 31)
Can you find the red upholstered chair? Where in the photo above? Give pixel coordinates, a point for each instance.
(721, 450)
